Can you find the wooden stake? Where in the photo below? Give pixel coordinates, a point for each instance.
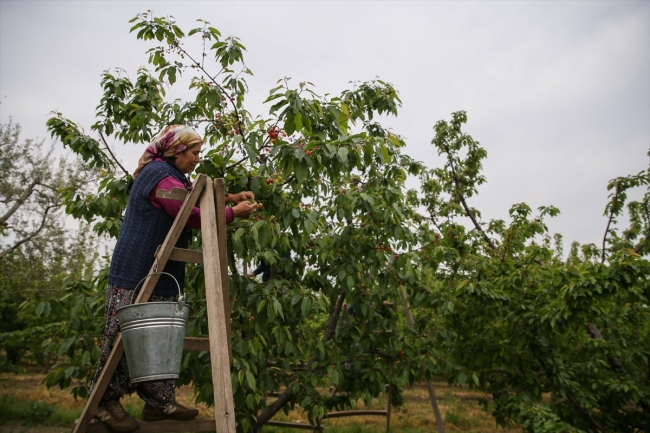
(388, 397)
(432, 394)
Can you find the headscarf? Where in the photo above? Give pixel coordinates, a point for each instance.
(171, 141)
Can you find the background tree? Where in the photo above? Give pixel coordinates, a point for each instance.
(38, 254)
(518, 319)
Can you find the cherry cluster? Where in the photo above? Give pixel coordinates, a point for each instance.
(274, 133)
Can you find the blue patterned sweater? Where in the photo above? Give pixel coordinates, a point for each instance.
(143, 229)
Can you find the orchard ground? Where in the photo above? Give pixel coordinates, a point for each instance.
(27, 406)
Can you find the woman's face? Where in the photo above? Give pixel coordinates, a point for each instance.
(187, 160)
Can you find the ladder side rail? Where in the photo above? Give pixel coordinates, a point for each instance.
(224, 409)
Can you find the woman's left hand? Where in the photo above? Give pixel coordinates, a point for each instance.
(240, 197)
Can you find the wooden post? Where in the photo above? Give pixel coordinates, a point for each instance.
(224, 410)
(432, 394)
(389, 392)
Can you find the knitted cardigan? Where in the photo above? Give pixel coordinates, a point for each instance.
(144, 228)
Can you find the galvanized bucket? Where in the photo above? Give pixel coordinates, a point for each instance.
(153, 334)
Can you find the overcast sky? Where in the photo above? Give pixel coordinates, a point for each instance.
(557, 92)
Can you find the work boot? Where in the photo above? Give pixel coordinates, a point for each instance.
(173, 411)
(116, 418)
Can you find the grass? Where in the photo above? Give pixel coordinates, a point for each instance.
(27, 406)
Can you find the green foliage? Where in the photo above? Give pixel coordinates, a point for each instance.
(39, 411)
(15, 409)
(496, 305)
(517, 321)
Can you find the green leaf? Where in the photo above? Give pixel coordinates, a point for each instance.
(289, 125)
(68, 372)
(462, 378)
(343, 154)
(301, 170)
(298, 120)
(250, 379)
(385, 154)
(367, 198)
(305, 306)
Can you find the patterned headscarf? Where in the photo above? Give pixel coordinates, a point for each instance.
(173, 140)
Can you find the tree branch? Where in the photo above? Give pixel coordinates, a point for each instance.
(289, 179)
(30, 237)
(236, 163)
(21, 200)
(609, 221)
(585, 413)
(223, 91)
(468, 211)
(614, 362)
(111, 152)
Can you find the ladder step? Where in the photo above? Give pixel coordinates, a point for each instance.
(196, 344)
(183, 255)
(356, 413)
(166, 426)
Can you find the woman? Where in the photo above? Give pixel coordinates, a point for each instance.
(169, 158)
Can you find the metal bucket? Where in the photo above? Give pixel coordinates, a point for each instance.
(153, 334)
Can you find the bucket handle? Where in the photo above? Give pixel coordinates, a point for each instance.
(181, 298)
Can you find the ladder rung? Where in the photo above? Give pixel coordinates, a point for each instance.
(355, 413)
(166, 426)
(183, 255)
(196, 344)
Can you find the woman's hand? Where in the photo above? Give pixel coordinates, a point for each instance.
(244, 209)
(240, 197)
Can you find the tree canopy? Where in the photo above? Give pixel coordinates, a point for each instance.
(497, 305)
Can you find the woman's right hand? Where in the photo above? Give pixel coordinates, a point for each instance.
(244, 209)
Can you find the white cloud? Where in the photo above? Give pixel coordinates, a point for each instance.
(557, 92)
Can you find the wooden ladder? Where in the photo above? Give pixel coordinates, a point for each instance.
(211, 196)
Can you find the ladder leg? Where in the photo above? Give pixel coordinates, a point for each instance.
(220, 195)
(100, 387)
(224, 409)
